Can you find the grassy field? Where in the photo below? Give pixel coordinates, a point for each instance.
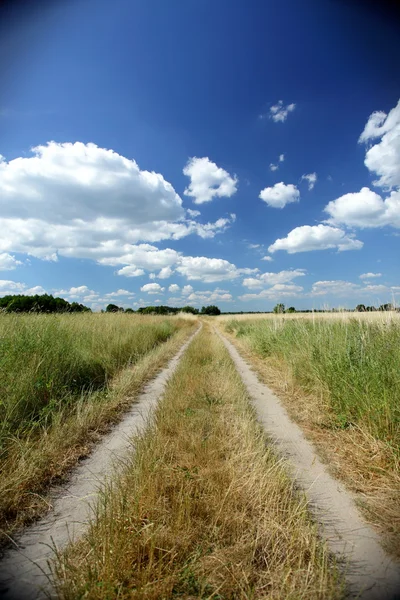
(339, 377)
(63, 378)
(204, 509)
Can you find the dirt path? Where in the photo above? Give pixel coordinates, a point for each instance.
(371, 574)
(24, 571)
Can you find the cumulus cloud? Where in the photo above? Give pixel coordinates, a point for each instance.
(193, 213)
(273, 167)
(207, 296)
(186, 290)
(273, 278)
(281, 157)
(280, 194)
(165, 273)
(152, 288)
(208, 181)
(280, 290)
(370, 275)
(279, 112)
(311, 178)
(336, 287)
(365, 209)
(8, 287)
(119, 293)
(174, 288)
(79, 200)
(383, 158)
(209, 269)
(267, 258)
(8, 262)
(316, 237)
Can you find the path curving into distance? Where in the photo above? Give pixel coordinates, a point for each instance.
(24, 570)
(370, 572)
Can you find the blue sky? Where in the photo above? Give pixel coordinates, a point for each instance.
(195, 152)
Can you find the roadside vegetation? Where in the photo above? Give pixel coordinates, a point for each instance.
(63, 378)
(340, 378)
(203, 509)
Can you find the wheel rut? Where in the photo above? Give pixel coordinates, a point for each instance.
(25, 570)
(370, 572)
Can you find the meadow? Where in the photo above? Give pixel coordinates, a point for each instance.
(63, 379)
(338, 375)
(204, 508)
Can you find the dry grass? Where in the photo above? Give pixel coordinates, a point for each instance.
(367, 465)
(37, 458)
(204, 509)
(339, 316)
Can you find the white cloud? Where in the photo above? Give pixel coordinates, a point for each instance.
(267, 258)
(35, 290)
(8, 287)
(370, 275)
(279, 112)
(273, 278)
(193, 213)
(130, 271)
(336, 287)
(209, 269)
(365, 209)
(253, 246)
(316, 237)
(281, 157)
(79, 200)
(186, 290)
(165, 273)
(208, 296)
(384, 157)
(207, 180)
(276, 292)
(273, 167)
(119, 293)
(8, 262)
(311, 178)
(152, 288)
(280, 194)
(174, 288)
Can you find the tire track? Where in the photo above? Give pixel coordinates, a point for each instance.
(370, 572)
(24, 570)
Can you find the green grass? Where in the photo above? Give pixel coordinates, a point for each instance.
(354, 364)
(48, 362)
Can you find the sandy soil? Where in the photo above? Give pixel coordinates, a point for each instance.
(24, 570)
(371, 574)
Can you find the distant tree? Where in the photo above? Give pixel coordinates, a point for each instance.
(129, 310)
(360, 308)
(291, 309)
(279, 308)
(210, 310)
(386, 307)
(44, 303)
(190, 309)
(112, 308)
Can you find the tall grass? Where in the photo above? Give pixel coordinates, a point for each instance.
(48, 361)
(63, 380)
(204, 509)
(353, 364)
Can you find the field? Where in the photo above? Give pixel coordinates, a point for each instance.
(339, 376)
(204, 506)
(204, 509)
(63, 379)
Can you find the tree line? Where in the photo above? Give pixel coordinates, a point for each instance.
(166, 310)
(45, 303)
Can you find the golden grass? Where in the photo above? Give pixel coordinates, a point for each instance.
(368, 466)
(34, 461)
(204, 509)
(370, 317)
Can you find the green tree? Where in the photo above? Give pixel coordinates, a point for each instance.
(112, 308)
(279, 308)
(360, 308)
(210, 310)
(291, 309)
